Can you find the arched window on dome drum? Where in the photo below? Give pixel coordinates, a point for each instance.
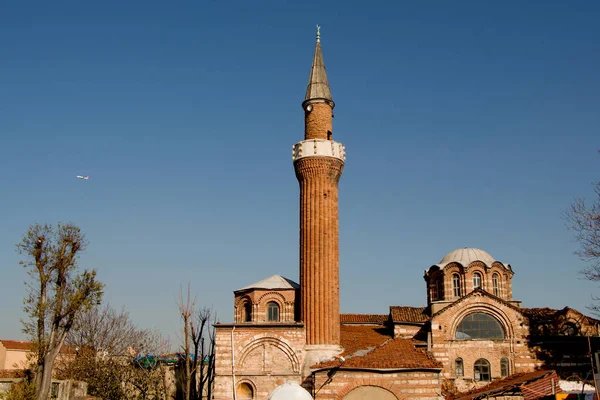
(504, 368)
(439, 288)
(244, 391)
(434, 290)
(247, 312)
(481, 370)
(476, 280)
(459, 368)
(479, 326)
(496, 284)
(273, 312)
(456, 285)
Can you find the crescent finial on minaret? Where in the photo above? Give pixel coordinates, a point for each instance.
(318, 34)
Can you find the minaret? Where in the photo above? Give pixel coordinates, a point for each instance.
(318, 162)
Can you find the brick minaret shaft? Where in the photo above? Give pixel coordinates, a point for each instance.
(318, 162)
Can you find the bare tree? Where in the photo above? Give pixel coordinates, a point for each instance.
(107, 330)
(186, 311)
(198, 346)
(583, 219)
(204, 352)
(58, 292)
(116, 359)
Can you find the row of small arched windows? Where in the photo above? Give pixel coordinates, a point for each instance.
(272, 312)
(481, 369)
(457, 290)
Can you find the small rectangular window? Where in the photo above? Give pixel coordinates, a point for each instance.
(459, 367)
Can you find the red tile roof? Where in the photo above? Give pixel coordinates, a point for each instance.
(532, 385)
(539, 313)
(364, 318)
(28, 346)
(12, 373)
(17, 345)
(374, 347)
(409, 314)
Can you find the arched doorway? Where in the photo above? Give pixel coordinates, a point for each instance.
(370, 393)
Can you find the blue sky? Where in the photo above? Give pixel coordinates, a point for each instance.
(466, 124)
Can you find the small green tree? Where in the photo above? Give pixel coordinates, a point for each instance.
(58, 292)
(24, 390)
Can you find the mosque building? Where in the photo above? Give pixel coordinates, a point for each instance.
(470, 332)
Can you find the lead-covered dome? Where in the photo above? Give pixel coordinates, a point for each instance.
(466, 256)
(290, 391)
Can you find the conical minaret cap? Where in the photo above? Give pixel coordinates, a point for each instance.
(318, 86)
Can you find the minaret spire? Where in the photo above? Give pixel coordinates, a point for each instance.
(318, 86)
(318, 163)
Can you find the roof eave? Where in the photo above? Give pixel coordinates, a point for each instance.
(382, 370)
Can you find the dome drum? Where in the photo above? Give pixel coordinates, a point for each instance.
(464, 270)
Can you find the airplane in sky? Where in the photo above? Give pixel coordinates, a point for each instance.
(83, 177)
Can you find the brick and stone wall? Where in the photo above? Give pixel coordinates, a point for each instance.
(404, 385)
(318, 122)
(263, 357)
(447, 348)
(258, 299)
(406, 331)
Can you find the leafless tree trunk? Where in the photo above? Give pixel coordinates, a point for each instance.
(186, 311)
(198, 361)
(58, 292)
(204, 332)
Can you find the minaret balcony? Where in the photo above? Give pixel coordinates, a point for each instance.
(318, 148)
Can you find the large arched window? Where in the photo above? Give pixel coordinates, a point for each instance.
(459, 368)
(496, 285)
(477, 280)
(481, 370)
(247, 312)
(504, 367)
(273, 312)
(479, 326)
(244, 391)
(456, 285)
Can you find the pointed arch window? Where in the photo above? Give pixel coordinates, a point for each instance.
(477, 281)
(459, 368)
(481, 370)
(456, 285)
(504, 367)
(496, 284)
(273, 312)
